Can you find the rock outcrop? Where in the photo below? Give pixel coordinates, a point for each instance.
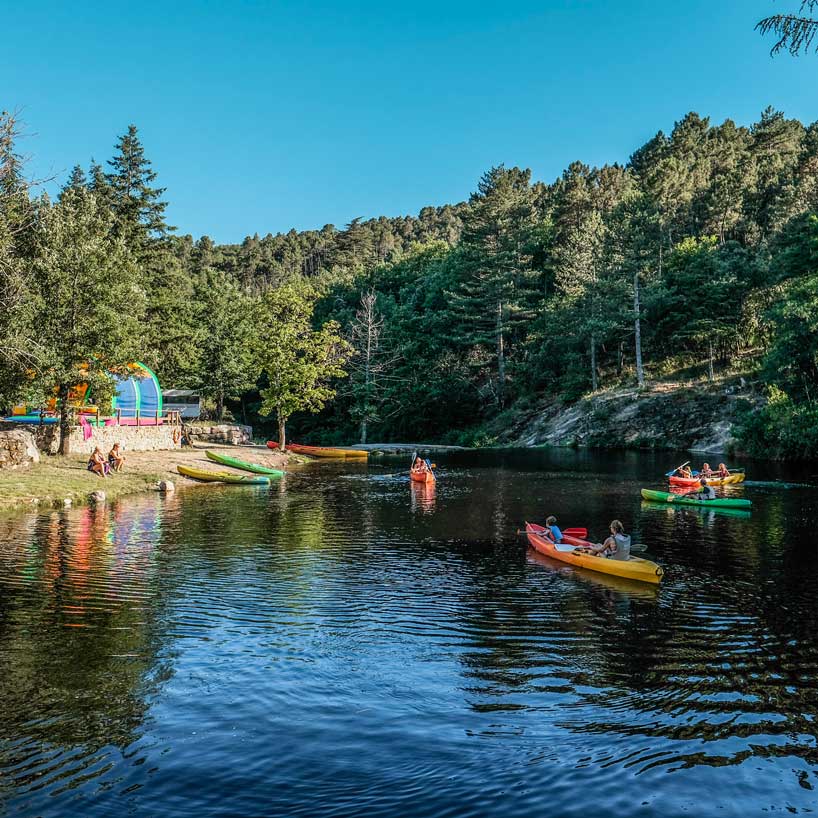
(18, 449)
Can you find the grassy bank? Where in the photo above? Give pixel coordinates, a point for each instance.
(57, 479)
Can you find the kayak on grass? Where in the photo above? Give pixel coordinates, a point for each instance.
(226, 460)
(320, 451)
(687, 500)
(693, 482)
(566, 551)
(222, 477)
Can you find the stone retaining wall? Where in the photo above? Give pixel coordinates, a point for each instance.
(17, 449)
(233, 434)
(131, 438)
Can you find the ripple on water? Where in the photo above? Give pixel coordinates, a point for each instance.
(345, 645)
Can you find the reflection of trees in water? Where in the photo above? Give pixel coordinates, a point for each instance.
(78, 654)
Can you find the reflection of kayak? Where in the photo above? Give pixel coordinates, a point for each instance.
(687, 500)
(648, 505)
(320, 451)
(226, 460)
(631, 587)
(222, 476)
(633, 568)
(692, 482)
(422, 476)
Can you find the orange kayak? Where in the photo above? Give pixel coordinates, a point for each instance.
(566, 551)
(320, 451)
(422, 476)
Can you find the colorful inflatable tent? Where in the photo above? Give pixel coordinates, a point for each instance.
(138, 392)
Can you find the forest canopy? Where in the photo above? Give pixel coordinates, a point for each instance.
(698, 251)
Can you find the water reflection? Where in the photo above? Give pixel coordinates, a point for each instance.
(424, 496)
(325, 643)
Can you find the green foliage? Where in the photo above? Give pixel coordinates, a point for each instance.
(298, 361)
(89, 297)
(227, 318)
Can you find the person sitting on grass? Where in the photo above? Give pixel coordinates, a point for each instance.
(115, 457)
(97, 464)
(706, 492)
(553, 533)
(616, 547)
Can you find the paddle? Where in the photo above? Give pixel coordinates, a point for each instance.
(671, 473)
(579, 533)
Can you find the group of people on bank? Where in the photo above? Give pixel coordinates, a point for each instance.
(102, 466)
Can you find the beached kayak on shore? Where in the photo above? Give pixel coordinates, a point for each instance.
(222, 477)
(234, 462)
(320, 451)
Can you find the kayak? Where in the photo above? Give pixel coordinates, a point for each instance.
(226, 460)
(692, 482)
(320, 451)
(422, 477)
(687, 500)
(633, 568)
(743, 513)
(222, 476)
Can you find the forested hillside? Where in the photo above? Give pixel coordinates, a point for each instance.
(699, 252)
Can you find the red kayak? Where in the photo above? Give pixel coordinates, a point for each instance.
(693, 482)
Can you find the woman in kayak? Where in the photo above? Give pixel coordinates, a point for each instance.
(554, 532)
(706, 492)
(419, 466)
(706, 470)
(616, 547)
(723, 470)
(684, 471)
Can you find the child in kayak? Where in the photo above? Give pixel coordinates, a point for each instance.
(554, 532)
(616, 547)
(706, 492)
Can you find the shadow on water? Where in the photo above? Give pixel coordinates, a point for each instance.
(348, 642)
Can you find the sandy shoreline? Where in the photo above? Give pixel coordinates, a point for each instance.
(60, 481)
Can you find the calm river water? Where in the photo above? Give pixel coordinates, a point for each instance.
(346, 644)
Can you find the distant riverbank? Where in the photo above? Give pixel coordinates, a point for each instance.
(59, 481)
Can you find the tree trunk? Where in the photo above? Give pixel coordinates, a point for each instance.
(282, 437)
(637, 331)
(501, 358)
(594, 383)
(363, 431)
(219, 406)
(710, 373)
(65, 427)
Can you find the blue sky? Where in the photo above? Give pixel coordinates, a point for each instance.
(262, 116)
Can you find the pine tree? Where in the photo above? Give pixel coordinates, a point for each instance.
(496, 287)
(137, 205)
(227, 365)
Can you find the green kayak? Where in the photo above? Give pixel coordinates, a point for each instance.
(226, 460)
(667, 497)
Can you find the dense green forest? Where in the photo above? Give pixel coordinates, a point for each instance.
(697, 253)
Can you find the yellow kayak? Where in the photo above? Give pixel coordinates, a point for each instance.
(222, 476)
(566, 551)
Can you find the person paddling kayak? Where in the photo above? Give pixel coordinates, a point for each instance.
(684, 471)
(706, 492)
(553, 528)
(616, 547)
